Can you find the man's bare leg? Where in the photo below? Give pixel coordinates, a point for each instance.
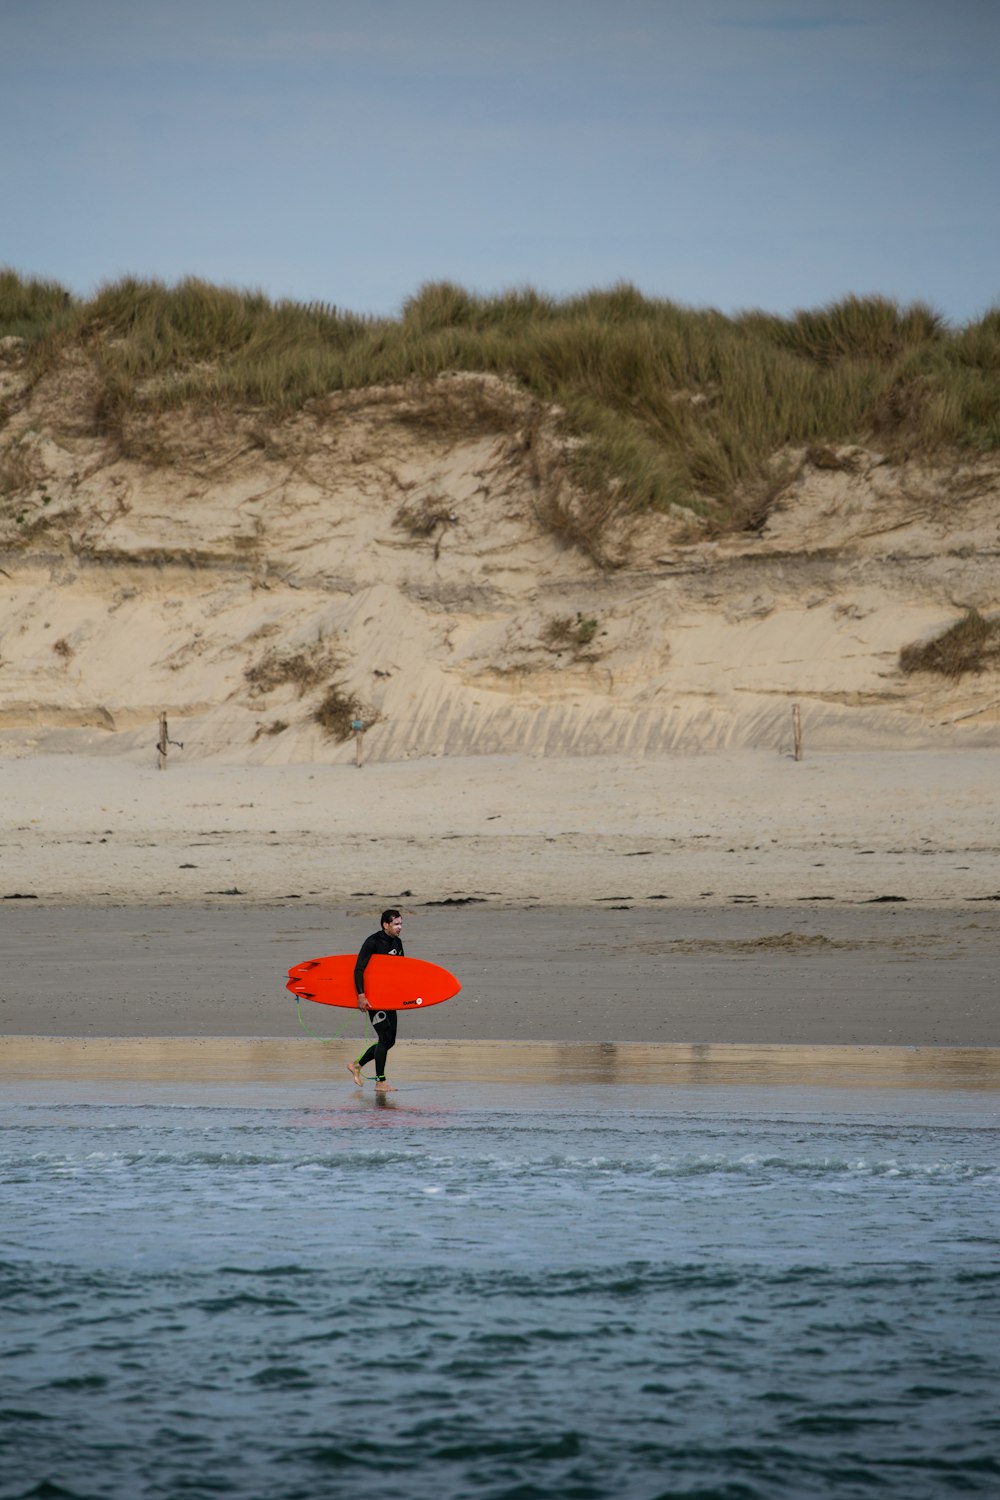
(381, 1087)
(355, 1071)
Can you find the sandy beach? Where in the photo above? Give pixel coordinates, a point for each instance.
(744, 899)
(683, 830)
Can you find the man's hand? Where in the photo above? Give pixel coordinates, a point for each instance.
(363, 1003)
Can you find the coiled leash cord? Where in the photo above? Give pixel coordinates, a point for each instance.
(338, 1036)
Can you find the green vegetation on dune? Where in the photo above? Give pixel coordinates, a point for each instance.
(33, 309)
(669, 404)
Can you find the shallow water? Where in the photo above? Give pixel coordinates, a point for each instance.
(498, 1291)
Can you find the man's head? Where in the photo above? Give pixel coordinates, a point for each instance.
(392, 922)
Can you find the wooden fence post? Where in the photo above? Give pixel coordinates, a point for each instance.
(797, 730)
(162, 742)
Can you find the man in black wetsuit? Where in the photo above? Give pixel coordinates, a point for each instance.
(383, 1021)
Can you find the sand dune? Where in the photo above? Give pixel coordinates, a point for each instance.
(234, 569)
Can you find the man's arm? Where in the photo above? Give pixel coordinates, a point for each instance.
(367, 949)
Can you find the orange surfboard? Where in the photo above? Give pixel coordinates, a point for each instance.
(390, 983)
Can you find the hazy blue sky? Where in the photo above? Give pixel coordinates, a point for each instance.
(733, 153)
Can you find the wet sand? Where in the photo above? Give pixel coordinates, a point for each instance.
(229, 1061)
(808, 975)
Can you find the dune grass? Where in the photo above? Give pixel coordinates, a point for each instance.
(667, 404)
(972, 644)
(338, 711)
(31, 308)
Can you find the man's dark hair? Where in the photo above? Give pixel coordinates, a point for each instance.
(390, 915)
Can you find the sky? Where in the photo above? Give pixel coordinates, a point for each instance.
(775, 154)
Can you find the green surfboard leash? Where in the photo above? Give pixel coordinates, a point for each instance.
(338, 1036)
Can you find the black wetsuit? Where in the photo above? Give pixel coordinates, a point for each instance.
(385, 1027)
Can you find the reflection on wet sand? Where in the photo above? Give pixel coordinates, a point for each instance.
(277, 1060)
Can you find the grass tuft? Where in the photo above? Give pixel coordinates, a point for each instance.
(972, 644)
(866, 328)
(336, 712)
(30, 308)
(423, 518)
(563, 632)
(306, 669)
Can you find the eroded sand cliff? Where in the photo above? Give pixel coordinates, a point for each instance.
(231, 569)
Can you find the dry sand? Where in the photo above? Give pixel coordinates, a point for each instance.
(597, 831)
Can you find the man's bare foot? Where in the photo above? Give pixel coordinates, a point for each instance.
(381, 1087)
(353, 1068)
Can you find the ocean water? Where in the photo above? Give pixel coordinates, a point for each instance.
(505, 1292)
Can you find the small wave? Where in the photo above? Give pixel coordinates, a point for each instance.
(246, 1300)
(14, 1414)
(265, 1273)
(284, 1377)
(78, 1383)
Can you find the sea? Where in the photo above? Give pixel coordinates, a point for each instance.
(499, 1291)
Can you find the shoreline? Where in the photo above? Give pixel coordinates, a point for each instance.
(203, 1060)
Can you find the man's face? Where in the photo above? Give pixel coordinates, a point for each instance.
(393, 928)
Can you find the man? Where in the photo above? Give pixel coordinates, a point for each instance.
(383, 1021)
